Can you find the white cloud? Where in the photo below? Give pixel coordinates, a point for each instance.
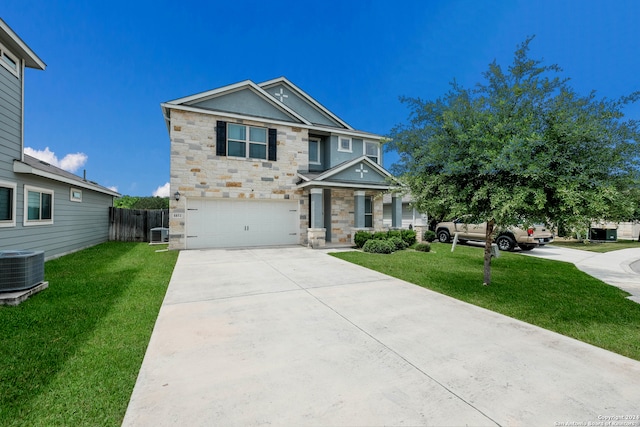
(113, 188)
(70, 162)
(162, 191)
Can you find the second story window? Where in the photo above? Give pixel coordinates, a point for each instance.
(247, 141)
(372, 151)
(9, 61)
(314, 151)
(344, 144)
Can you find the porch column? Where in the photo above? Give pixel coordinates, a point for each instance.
(316, 234)
(396, 211)
(358, 211)
(316, 208)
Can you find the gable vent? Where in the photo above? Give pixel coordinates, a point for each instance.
(20, 270)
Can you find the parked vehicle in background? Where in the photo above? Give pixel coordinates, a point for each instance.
(507, 239)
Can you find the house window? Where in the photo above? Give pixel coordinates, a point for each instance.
(344, 144)
(372, 150)
(246, 141)
(368, 211)
(75, 195)
(314, 151)
(7, 204)
(9, 61)
(38, 206)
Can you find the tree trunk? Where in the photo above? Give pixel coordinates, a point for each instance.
(487, 252)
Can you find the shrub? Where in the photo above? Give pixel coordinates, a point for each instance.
(429, 236)
(423, 247)
(361, 238)
(378, 246)
(398, 243)
(380, 235)
(409, 236)
(394, 233)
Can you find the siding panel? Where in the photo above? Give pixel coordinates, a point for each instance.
(10, 122)
(75, 225)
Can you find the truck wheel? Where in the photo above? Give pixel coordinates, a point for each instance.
(505, 243)
(443, 236)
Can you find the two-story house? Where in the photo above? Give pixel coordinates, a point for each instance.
(42, 207)
(266, 164)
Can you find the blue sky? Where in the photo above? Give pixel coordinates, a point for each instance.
(111, 64)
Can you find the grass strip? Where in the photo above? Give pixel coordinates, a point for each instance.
(551, 294)
(70, 355)
(596, 246)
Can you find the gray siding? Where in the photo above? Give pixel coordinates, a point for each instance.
(75, 225)
(323, 154)
(407, 216)
(302, 107)
(338, 157)
(350, 175)
(335, 157)
(10, 128)
(244, 102)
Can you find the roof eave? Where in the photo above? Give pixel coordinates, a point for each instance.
(19, 47)
(21, 167)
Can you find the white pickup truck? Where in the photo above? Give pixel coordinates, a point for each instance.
(507, 239)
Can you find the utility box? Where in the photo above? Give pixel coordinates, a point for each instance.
(604, 234)
(159, 235)
(611, 234)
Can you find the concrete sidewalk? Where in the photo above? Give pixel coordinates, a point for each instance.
(295, 337)
(618, 268)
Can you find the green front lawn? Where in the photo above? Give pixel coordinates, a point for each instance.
(70, 355)
(551, 294)
(597, 247)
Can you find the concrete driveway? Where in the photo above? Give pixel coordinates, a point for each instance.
(295, 337)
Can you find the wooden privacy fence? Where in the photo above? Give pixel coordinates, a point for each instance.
(134, 225)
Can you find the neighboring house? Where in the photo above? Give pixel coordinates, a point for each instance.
(266, 164)
(410, 215)
(42, 207)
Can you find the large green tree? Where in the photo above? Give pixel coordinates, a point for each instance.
(520, 147)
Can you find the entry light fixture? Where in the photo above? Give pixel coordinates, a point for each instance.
(177, 195)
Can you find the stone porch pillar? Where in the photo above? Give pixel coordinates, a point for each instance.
(396, 211)
(316, 234)
(316, 208)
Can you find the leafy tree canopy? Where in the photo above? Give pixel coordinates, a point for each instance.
(520, 147)
(132, 202)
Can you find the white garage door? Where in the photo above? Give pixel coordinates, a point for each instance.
(236, 223)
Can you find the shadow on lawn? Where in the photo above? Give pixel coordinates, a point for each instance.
(40, 335)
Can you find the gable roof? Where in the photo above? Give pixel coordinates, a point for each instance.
(273, 109)
(199, 100)
(338, 176)
(33, 166)
(305, 97)
(18, 47)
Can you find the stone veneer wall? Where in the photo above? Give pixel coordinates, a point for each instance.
(197, 172)
(342, 211)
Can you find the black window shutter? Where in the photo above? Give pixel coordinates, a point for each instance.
(221, 138)
(273, 145)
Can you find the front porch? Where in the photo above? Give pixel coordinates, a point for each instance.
(345, 199)
(336, 214)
